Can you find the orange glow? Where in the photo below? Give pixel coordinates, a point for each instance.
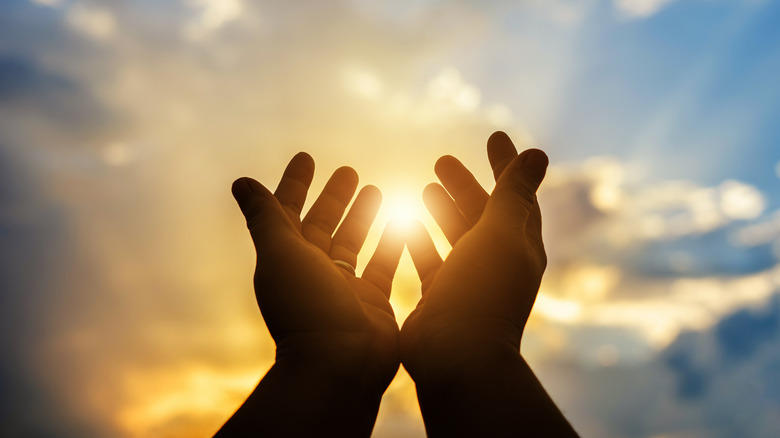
(203, 397)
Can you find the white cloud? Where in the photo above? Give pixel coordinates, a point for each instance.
(565, 13)
(213, 14)
(92, 21)
(449, 88)
(630, 256)
(557, 309)
(664, 210)
(659, 309)
(118, 154)
(740, 201)
(363, 82)
(50, 3)
(640, 8)
(499, 115)
(444, 96)
(759, 233)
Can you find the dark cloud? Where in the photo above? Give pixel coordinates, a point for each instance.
(702, 254)
(19, 77)
(31, 91)
(691, 376)
(41, 110)
(740, 334)
(698, 359)
(33, 238)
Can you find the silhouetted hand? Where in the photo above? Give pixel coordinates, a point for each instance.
(461, 344)
(336, 335)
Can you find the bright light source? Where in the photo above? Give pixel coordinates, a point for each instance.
(402, 206)
(401, 211)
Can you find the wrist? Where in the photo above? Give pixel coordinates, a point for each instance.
(321, 383)
(297, 400)
(348, 363)
(460, 356)
(498, 397)
(477, 370)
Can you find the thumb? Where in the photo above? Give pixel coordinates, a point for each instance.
(515, 192)
(264, 215)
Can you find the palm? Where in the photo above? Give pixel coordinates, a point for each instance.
(311, 306)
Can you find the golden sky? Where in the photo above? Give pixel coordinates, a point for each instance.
(139, 117)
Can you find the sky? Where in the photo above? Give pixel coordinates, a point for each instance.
(126, 303)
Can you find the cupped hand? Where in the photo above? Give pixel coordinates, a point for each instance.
(319, 313)
(475, 304)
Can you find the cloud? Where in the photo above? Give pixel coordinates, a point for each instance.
(33, 235)
(743, 332)
(20, 77)
(649, 259)
(719, 382)
(37, 96)
(669, 228)
(51, 3)
(92, 21)
(213, 14)
(131, 121)
(640, 8)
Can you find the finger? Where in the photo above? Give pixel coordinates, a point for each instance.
(446, 213)
(294, 185)
(515, 192)
(265, 217)
(326, 212)
(501, 151)
(383, 264)
(462, 186)
(424, 254)
(352, 233)
(534, 225)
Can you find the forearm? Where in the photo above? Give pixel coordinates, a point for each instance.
(301, 401)
(501, 399)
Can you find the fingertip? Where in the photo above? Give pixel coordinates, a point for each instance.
(348, 173)
(435, 198)
(498, 136)
(304, 158)
(244, 187)
(535, 154)
(423, 251)
(372, 190)
(500, 147)
(431, 191)
(522, 177)
(370, 195)
(535, 162)
(255, 201)
(445, 162)
(300, 167)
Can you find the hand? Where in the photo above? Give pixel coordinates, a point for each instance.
(315, 310)
(336, 335)
(461, 345)
(475, 304)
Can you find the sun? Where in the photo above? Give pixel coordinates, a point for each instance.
(402, 208)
